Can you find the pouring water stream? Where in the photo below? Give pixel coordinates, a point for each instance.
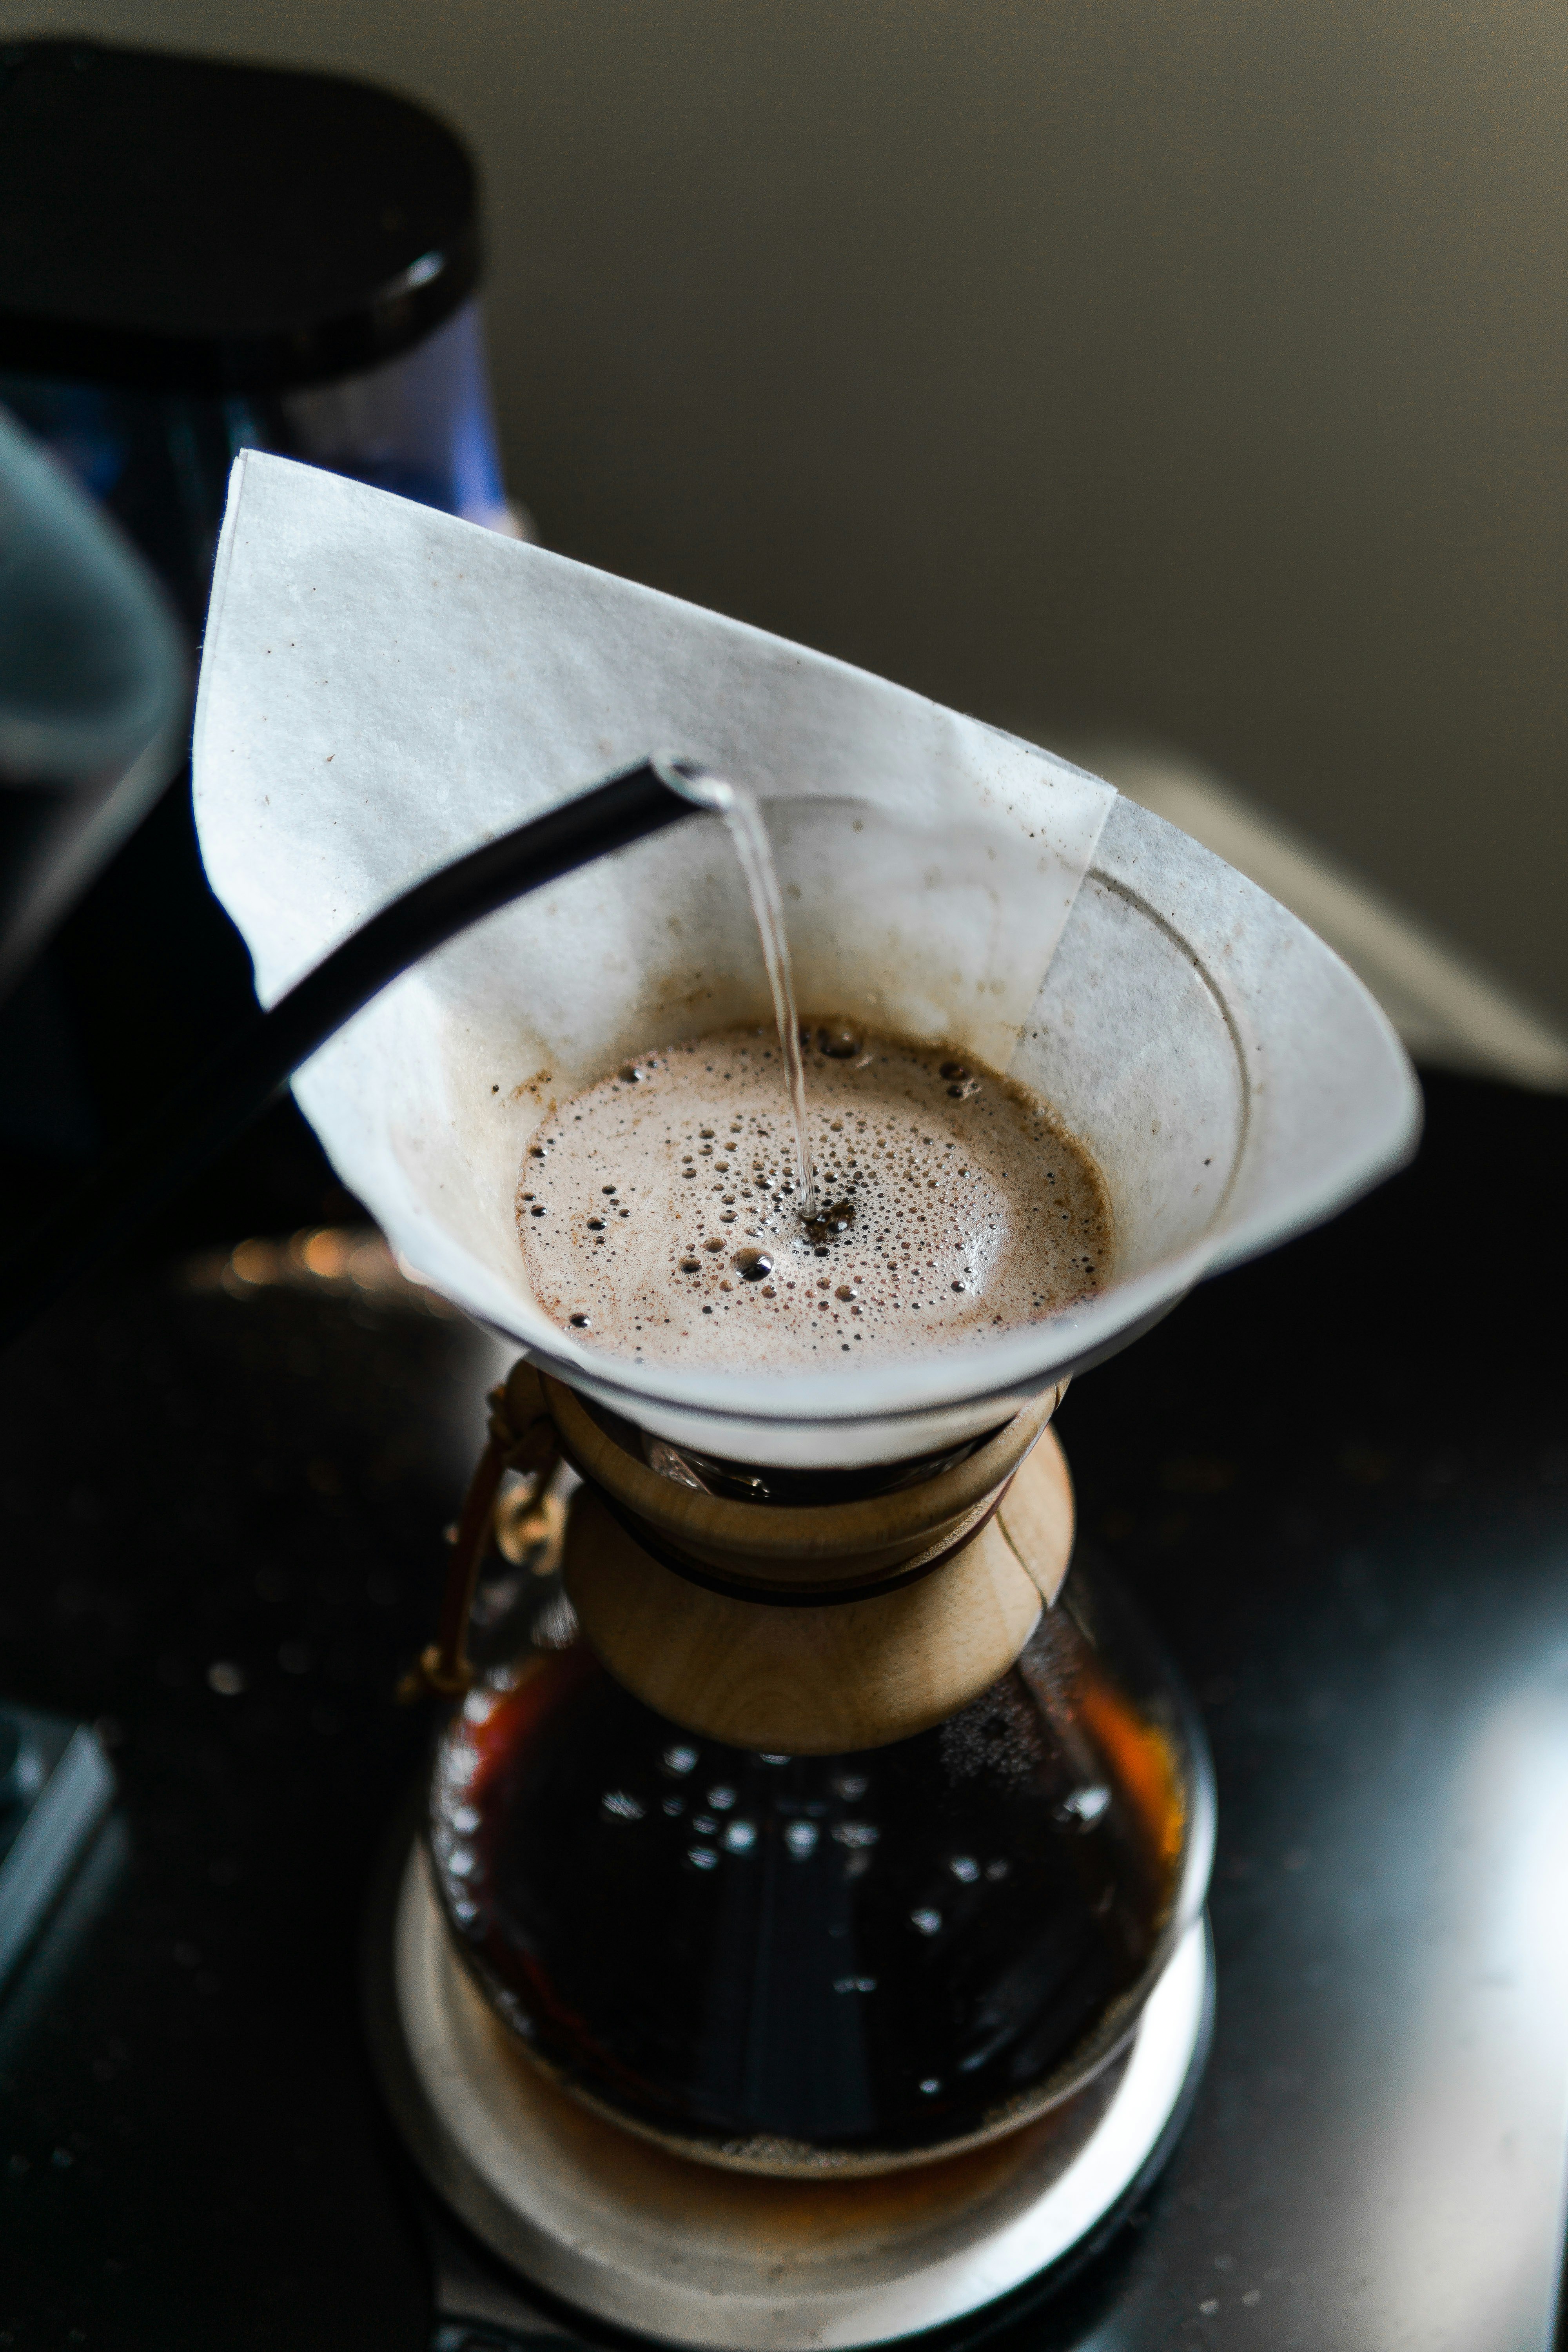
(742, 813)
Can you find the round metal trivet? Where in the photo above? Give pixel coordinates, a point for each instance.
(693, 2255)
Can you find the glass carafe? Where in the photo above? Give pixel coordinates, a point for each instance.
(816, 1964)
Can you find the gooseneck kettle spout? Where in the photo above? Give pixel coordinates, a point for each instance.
(172, 1143)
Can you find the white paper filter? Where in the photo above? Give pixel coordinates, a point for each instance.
(383, 687)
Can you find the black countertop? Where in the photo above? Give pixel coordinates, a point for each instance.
(1339, 1482)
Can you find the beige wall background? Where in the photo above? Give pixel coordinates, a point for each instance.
(1187, 369)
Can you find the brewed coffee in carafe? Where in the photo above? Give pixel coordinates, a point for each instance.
(810, 1963)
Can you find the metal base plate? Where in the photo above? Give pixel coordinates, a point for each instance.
(695, 2256)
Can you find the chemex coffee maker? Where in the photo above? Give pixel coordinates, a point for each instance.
(803, 1939)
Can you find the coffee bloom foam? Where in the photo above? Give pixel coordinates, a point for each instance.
(659, 1219)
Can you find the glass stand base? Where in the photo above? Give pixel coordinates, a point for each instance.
(692, 2255)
